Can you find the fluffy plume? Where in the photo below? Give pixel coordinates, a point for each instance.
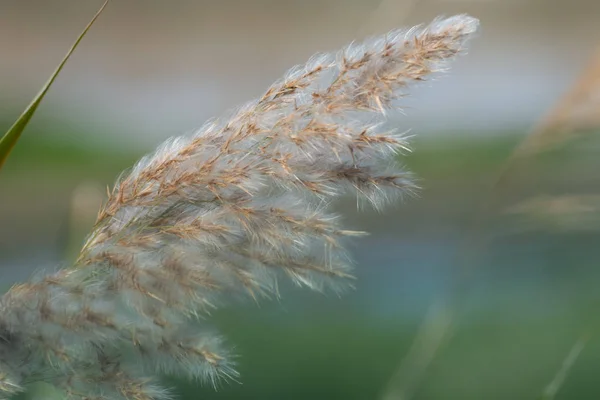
(220, 214)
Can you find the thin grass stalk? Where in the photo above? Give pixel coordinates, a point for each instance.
(559, 379)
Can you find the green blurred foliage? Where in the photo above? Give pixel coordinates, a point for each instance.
(508, 347)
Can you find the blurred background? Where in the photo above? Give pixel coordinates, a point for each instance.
(505, 326)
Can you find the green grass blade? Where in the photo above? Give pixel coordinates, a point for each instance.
(10, 138)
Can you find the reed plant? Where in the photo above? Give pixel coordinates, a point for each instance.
(220, 216)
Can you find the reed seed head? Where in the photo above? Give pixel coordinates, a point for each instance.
(227, 211)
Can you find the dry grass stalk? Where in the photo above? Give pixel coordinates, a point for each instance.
(433, 334)
(578, 110)
(551, 390)
(566, 213)
(219, 214)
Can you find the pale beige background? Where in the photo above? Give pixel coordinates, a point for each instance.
(154, 68)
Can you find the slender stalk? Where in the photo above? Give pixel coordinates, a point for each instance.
(554, 386)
